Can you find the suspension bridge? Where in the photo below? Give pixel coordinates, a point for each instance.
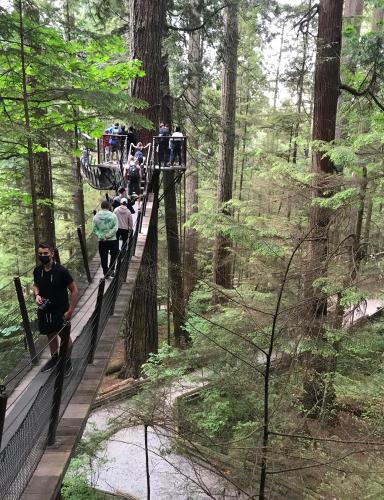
(43, 415)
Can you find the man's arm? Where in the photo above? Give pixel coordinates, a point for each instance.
(95, 229)
(72, 287)
(115, 226)
(130, 221)
(37, 295)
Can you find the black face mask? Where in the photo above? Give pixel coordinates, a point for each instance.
(44, 259)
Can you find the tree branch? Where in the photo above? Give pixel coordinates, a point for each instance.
(202, 25)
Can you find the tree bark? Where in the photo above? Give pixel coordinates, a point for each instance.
(318, 391)
(77, 193)
(193, 96)
(140, 322)
(145, 45)
(222, 259)
(40, 171)
(277, 79)
(174, 257)
(175, 274)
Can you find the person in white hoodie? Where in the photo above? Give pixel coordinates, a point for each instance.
(125, 220)
(176, 142)
(105, 226)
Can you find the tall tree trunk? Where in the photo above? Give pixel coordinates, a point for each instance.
(140, 322)
(353, 10)
(368, 219)
(193, 96)
(318, 390)
(378, 18)
(222, 272)
(145, 45)
(40, 171)
(175, 274)
(300, 97)
(77, 193)
(277, 79)
(140, 326)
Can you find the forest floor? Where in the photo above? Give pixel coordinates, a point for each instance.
(348, 469)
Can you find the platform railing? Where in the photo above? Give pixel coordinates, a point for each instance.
(170, 151)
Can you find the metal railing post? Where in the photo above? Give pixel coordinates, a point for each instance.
(185, 151)
(57, 255)
(3, 408)
(26, 322)
(59, 381)
(84, 253)
(117, 278)
(95, 329)
(136, 233)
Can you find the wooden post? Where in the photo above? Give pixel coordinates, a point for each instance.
(57, 255)
(84, 253)
(26, 322)
(3, 408)
(95, 329)
(117, 278)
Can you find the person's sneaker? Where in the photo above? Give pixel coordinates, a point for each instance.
(50, 364)
(68, 368)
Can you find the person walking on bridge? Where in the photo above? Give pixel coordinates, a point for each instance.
(51, 283)
(117, 200)
(105, 226)
(125, 220)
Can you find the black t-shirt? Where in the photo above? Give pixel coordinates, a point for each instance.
(131, 137)
(53, 285)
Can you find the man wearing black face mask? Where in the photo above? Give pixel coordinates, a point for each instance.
(51, 284)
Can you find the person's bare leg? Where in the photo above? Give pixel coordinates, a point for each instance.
(53, 344)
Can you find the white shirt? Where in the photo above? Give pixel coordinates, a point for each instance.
(177, 134)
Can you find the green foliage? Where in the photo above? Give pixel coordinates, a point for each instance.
(216, 414)
(336, 200)
(75, 486)
(165, 366)
(78, 481)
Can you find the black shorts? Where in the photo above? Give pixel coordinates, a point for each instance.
(50, 321)
(134, 187)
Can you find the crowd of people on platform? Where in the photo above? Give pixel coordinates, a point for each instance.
(169, 146)
(115, 138)
(114, 221)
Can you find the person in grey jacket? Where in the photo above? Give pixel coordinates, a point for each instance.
(105, 226)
